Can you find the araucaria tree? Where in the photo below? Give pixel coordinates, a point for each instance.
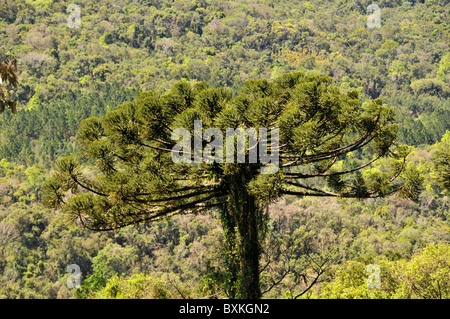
(125, 173)
(8, 79)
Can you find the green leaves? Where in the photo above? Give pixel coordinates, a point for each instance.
(120, 125)
(266, 187)
(150, 113)
(67, 171)
(413, 184)
(211, 101)
(257, 88)
(53, 193)
(90, 130)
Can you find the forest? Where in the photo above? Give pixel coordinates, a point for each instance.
(70, 79)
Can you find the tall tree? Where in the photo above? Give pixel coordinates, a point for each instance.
(126, 174)
(8, 78)
(441, 161)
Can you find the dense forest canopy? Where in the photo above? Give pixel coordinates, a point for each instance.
(145, 45)
(67, 74)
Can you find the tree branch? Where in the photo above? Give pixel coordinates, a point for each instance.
(86, 187)
(300, 175)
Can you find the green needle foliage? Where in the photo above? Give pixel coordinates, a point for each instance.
(125, 174)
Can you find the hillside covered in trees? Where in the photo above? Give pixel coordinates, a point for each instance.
(125, 47)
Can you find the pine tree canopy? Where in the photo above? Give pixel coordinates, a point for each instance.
(328, 144)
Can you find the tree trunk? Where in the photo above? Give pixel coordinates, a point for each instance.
(242, 221)
(249, 251)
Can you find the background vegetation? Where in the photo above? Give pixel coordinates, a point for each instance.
(124, 47)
